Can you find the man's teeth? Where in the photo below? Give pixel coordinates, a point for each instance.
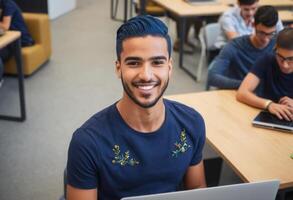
(146, 87)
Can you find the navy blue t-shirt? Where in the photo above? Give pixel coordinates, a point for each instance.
(234, 61)
(9, 8)
(105, 153)
(275, 83)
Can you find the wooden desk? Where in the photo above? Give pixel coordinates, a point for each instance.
(12, 38)
(286, 16)
(255, 154)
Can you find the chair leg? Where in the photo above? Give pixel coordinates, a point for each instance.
(114, 9)
(202, 59)
(131, 8)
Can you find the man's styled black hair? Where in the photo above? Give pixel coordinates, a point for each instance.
(267, 16)
(247, 2)
(285, 39)
(141, 26)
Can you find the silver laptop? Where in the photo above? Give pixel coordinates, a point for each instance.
(266, 190)
(202, 2)
(267, 120)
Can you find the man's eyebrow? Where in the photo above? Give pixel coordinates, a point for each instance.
(132, 58)
(158, 58)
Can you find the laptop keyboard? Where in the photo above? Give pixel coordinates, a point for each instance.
(276, 120)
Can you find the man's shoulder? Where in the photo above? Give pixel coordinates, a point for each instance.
(181, 109)
(232, 13)
(100, 119)
(9, 6)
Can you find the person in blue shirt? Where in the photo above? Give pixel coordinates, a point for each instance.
(142, 144)
(235, 60)
(11, 19)
(275, 73)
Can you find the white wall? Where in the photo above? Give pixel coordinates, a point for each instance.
(60, 7)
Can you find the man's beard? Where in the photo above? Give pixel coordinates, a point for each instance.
(136, 101)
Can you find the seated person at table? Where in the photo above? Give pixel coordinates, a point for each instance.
(230, 67)
(141, 144)
(275, 73)
(238, 21)
(11, 19)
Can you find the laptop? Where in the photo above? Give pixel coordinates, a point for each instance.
(267, 120)
(266, 190)
(201, 2)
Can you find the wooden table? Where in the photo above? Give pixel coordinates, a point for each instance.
(286, 16)
(255, 154)
(12, 38)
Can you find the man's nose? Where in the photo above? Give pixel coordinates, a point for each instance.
(146, 72)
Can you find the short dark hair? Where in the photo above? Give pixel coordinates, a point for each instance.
(247, 2)
(141, 26)
(266, 15)
(285, 39)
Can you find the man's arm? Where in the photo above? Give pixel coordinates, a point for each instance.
(217, 78)
(81, 194)
(195, 177)
(245, 94)
(5, 23)
(217, 71)
(227, 23)
(231, 35)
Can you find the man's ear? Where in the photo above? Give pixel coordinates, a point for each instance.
(118, 68)
(170, 66)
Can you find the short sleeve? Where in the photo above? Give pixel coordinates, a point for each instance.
(8, 8)
(227, 23)
(82, 170)
(279, 26)
(199, 141)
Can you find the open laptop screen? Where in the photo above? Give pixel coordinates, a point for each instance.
(265, 190)
(267, 120)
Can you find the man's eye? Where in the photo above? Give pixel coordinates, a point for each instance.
(133, 63)
(290, 59)
(158, 62)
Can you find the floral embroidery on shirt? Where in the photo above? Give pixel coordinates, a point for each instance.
(182, 146)
(123, 159)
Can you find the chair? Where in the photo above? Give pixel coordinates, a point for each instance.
(207, 36)
(151, 8)
(33, 57)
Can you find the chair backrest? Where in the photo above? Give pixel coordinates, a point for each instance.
(210, 33)
(207, 36)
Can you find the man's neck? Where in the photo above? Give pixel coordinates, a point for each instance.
(144, 120)
(255, 43)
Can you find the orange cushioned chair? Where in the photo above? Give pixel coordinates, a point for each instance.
(35, 56)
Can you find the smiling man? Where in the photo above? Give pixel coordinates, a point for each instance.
(275, 73)
(142, 144)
